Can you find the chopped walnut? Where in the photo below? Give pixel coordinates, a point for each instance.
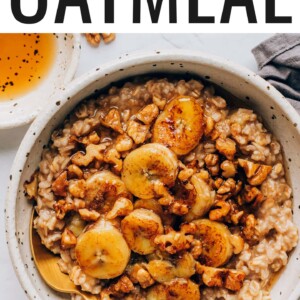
(92, 138)
(89, 215)
(237, 242)
(139, 274)
(174, 242)
(108, 37)
(250, 194)
(92, 152)
(209, 126)
(74, 171)
(138, 132)
(112, 156)
(61, 207)
(94, 39)
(196, 249)
(255, 173)
(113, 120)
(148, 114)
(31, 187)
(68, 239)
(121, 208)
(59, 186)
(229, 168)
(159, 102)
(123, 286)
(227, 147)
(123, 143)
(225, 278)
(77, 188)
(220, 210)
(227, 188)
(212, 164)
(249, 227)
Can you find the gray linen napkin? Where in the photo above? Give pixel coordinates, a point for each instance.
(278, 60)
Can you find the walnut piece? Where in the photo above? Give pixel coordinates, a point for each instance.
(94, 39)
(138, 132)
(112, 156)
(212, 164)
(113, 121)
(159, 102)
(88, 215)
(77, 188)
(61, 207)
(123, 143)
(92, 152)
(121, 208)
(173, 241)
(229, 168)
(59, 186)
(108, 37)
(68, 239)
(74, 171)
(256, 173)
(225, 278)
(148, 114)
(220, 210)
(226, 147)
(139, 274)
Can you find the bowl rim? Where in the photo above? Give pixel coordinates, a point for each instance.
(68, 77)
(135, 58)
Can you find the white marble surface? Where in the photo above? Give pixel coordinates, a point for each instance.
(235, 47)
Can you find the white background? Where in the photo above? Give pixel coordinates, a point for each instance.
(124, 18)
(236, 47)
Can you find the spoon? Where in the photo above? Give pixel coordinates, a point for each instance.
(46, 263)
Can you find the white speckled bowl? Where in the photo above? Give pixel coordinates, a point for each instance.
(241, 82)
(25, 108)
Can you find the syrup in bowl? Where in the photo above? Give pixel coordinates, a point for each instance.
(25, 60)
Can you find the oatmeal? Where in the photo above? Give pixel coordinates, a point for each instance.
(160, 190)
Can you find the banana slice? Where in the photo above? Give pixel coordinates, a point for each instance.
(147, 167)
(216, 246)
(204, 200)
(176, 289)
(180, 125)
(140, 228)
(102, 251)
(105, 185)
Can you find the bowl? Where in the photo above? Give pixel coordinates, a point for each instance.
(279, 116)
(25, 108)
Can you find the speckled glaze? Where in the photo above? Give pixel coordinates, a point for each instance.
(25, 108)
(279, 116)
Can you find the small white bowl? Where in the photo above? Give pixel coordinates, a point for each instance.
(277, 113)
(25, 108)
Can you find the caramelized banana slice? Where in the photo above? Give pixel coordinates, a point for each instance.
(176, 289)
(102, 251)
(215, 238)
(147, 167)
(140, 228)
(180, 125)
(204, 200)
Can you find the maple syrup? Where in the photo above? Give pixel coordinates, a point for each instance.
(25, 60)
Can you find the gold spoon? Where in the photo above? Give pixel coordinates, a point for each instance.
(46, 263)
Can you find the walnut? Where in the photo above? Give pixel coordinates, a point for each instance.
(219, 277)
(212, 163)
(123, 143)
(122, 207)
(88, 215)
(31, 187)
(173, 241)
(92, 138)
(148, 114)
(196, 249)
(77, 188)
(220, 210)
(185, 174)
(229, 168)
(226, 147)
(139, 274)
(159, 102)
(108, 37)
(228, 188)
(61, 207)
(256, 173)
(59, 186)
(92, 152)
(68, 239)
(178, 207)
(74, 171)
(249, 227)
(94, 39)
(113, 120)
(138, 132)
(250, 194)
(123, 286)
(112, 156)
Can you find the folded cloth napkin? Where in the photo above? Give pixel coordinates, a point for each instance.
(278, 60)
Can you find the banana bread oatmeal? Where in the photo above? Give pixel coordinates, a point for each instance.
(160, 190)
